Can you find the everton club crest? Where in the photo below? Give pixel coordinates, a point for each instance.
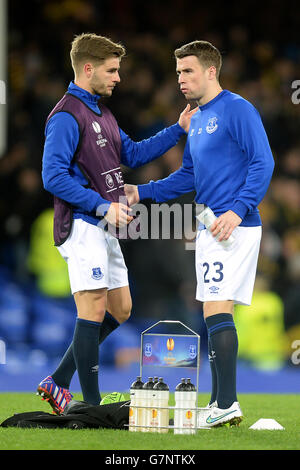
(212, 125)
(97, 273)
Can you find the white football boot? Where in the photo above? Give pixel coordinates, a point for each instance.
(213, 416)
(203, 413)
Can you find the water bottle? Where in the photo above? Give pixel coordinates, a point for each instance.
(160, 410)
(147, 401)
(155, 381)
(135, 413)
(179, 411)
(190, 415)
(207, 218)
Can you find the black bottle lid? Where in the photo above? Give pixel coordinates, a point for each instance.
(160, 385)
(149, 385)
(191, 387)
(181, 387)
(137, 384)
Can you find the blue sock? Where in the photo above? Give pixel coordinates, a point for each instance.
(223, 341)
(214, 378)
(65, 369)
(109, 324)
(86, 356)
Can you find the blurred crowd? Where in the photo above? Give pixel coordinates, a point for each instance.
(261, 57)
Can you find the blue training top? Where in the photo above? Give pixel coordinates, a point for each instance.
(227, 160)
(62, 137)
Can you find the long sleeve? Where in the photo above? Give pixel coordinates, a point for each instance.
(174, 185)
(135, 154)
(62, 137)
(246, 128)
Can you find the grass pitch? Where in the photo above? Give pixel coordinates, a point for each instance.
(282, 408)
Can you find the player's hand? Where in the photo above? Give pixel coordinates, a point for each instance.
(225, 224)
(185, 117)
(118, 215)
(132, 194)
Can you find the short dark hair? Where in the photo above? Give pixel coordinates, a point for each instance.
(206, 53)
(96, 49)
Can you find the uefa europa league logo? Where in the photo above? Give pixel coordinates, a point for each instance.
(170, 344)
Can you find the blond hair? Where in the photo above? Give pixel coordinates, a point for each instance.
(89, 47)
(207, 54)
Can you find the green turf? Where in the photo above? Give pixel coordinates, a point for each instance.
(283, 408)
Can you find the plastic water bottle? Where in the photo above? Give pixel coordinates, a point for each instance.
(190, 417)
(207, 218)
(155, 381)
(180, 392)
(147, 401)
(185, 404)
(135, 413)
(160, 410)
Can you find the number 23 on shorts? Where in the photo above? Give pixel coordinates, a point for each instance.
(213, 272)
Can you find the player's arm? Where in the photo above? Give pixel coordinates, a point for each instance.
(135, 154)
(177, 183)
(247, 130)
(62, 137)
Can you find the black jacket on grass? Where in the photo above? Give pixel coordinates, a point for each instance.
(77, 415)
